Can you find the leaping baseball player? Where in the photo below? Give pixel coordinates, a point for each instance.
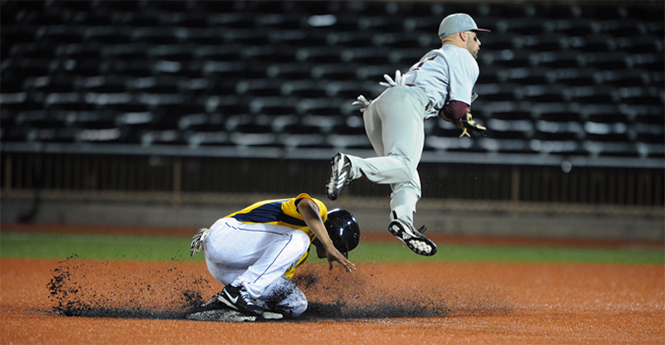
(440, 84)
(255, 251)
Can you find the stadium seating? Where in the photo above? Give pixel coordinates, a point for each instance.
(555, 78)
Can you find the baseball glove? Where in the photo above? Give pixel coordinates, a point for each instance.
(197, 241)
(466, 123)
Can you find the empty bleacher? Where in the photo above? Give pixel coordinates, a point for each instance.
(555, 79)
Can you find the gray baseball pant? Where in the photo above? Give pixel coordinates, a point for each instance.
(394, 126)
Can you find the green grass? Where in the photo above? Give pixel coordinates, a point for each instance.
(94, 246)
(165, 248)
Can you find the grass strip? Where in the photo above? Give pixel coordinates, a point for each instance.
(165, 248)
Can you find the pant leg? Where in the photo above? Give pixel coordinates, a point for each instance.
(397, 118)
(283, 296)
(252, 255)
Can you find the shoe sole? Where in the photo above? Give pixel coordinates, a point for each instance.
(418, 243)
(331, 191)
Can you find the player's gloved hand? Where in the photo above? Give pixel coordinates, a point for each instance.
(399, 81)
(197, 241)
(467, 124)
(362, 101)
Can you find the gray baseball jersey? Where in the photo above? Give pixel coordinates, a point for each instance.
(445, 74)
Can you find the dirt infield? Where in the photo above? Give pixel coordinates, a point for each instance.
(145, 303)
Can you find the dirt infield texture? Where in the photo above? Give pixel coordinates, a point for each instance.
(145, 303)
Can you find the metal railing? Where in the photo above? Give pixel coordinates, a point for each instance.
(174, 171)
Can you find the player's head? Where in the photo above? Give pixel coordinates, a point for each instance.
(460, 29)
(459, 22)
(343, 230)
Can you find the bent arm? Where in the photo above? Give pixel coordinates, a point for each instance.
(310, 213)
(454, 111)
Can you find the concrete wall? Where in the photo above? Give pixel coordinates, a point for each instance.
(448, 217)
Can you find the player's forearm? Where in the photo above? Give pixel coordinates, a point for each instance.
(454, 110)
(310, 214)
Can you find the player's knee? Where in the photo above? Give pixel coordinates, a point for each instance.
(407, 168)
(298, 308)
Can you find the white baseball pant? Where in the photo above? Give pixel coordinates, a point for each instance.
(394, 123)
(256, 256)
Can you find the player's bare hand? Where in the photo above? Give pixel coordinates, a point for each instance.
(335, 255)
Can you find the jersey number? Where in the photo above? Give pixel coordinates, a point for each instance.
(421, 63)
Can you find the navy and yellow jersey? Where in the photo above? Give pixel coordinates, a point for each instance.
(281, 212)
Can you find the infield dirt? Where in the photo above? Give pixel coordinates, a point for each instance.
(146, 303)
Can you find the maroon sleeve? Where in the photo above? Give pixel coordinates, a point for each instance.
(454, 110)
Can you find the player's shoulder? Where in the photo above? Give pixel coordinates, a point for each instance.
(458, 56)
(319, 204)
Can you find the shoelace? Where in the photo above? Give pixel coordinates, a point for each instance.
(245, 296)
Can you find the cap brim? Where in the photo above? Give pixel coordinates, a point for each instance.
(480, 33)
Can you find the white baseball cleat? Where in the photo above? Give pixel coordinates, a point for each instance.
(413, 238)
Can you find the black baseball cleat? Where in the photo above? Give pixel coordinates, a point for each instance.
(238, 299)
(414, 239)
(341, 176)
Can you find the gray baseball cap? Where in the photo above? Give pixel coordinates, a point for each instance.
(459, 22)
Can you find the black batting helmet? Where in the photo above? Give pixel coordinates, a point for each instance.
(343, 230)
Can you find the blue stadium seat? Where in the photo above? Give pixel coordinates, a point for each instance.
(558, 130)
(641, 95)
(494, 145)
(291, 70)
(366, 55)
(640, 44)
(319, 106)
(590, 42)
(320, 54)
(600, 94)
(605, 60)
(574, 76)
(499, 41)
(496, 92)
(525, 75)
(572, 26)
(142, 72)
(259, 87)
(506, 58)
(306, 88)
(542, 42)
(557, 59)
(621, 149)
(404, 40)
(523, 25)
(607, 113)
(406, 57)
(273, 105)
(336, 71)
(540, 93)
(623, 78)
(509, 129)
